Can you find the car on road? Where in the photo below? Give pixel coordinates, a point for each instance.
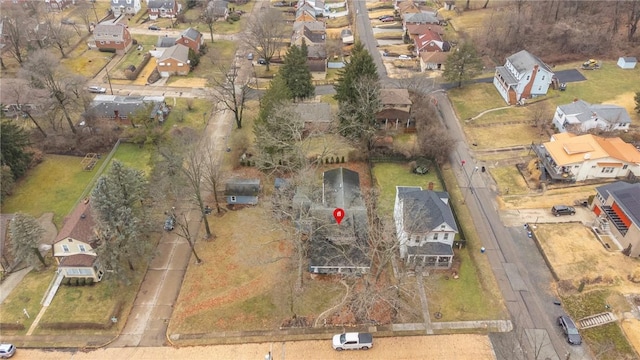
(558, 210)
(388, 19)
(570, 330)
(262, 61)
(352, 341)
(154, 27)
(7, 351)
(404, 57)
(169, 223)
(97, 89)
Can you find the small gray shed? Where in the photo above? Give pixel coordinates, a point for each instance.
(242, 191)
(626, 62)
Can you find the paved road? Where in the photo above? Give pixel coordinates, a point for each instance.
(522, 275)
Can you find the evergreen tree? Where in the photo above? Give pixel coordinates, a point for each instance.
(296, 73)
(462, 65)
(117, 203)
(277, 93)
(360, 65)
(26, 235)
(13, 148)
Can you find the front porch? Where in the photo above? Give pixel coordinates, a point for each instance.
(551, 171)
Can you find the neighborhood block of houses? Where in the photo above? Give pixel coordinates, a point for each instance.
(523, 76)
(580, 116)
(568, 157)
(425, 226)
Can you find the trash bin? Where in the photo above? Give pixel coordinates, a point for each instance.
(482, 249)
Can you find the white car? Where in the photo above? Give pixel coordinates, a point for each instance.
(7, 351)
(352, 341)
(404, 57)
(97, 90)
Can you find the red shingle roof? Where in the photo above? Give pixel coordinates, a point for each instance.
(78, 260)
(79, 225)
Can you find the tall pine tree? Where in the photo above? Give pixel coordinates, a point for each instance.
(462, 65)
(26, 235)
(13, 148)
(360, 66)
(296, 73)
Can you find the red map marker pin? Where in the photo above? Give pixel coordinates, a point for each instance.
(338, 214)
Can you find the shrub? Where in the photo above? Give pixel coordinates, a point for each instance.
(233, 18)
(343, 159)
(89, 281)
(66, 281)
(73, 282)
(11, 326)
(81, 282)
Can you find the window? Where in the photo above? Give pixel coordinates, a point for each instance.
(65, 248)
(446, 236)
(539, 88)
(82, 248)
(161, 64)
(593, 167)
(168, 64)
(117, 42)
(528, 77)
(232, 198)
(102, 42)
(624, 167)
(435, 236)
(180, 64)
(542, 77)
(607, 170)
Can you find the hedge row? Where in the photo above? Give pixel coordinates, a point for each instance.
(78, 281)
(11, 326)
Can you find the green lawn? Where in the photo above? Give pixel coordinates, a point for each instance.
(26, 296)
(133, 156)
(182, 116)
(472, 99)
(390, 175)
(86, 62)
(53, 186)
(606, 337)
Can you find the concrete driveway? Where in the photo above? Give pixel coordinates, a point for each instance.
(520, 217)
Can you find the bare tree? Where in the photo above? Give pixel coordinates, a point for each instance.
(358, 118)
(44, 71)
(14, 33)
(634, 18)
(59, 35)
(85, 14)
(434, 141)
(212, 173)
(231, 92)
(21, 91)
(541, 116)
(278, 140)
(209, 18)
(265, 34)
(184, 232)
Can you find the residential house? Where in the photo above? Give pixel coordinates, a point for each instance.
(523, 76)
(339, 248)
(433, 60)
(305, 12)
(617, 206)
(316, 116)
(58, 5)
(430, 41)
(218, 8)
(163, 8)
(568, 157)
(165, 42)
(423, 17)
(396, 109)
(580, 116)
(425, 227)
(418, 29)
(174, 61)
(74, 248)
(318, 6)
(627, 62)
(122, 108)
(242, 191)
(311, 32)
(407, 7)
(110, 37)
(192, 39)
(126, 7)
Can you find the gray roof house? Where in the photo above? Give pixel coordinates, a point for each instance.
(523, 76)
(121, 108)
(339, 248)
(163, 8)
(242, 191)
(425, 226)
(165, 42)
(580, 116)
(617, 206)
(316, 116)
(127, 7)
(219, 8)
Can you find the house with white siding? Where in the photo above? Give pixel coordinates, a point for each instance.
(580, 117)
(523, 76)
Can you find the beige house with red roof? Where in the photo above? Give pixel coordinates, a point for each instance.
(568, 157)
(74, 249)
(433, 60)
(396, 109)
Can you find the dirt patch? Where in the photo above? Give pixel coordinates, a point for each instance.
(188, 82)
(546, 199)
(577, 256)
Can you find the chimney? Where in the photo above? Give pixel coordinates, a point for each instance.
(116, 114)
(430, 186)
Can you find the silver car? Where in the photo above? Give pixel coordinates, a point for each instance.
(7, 351)
(97, 90)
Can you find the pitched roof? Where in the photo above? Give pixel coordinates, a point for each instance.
(191, 34)
(341, 189)
(165, 41)
(78, 260)
(316, 65)
(415, 29)
(566, 148)
(393, 114)
(629, 59)
(109, 32)
(583, 111)
(422, 18)
(408, 7)
(160, 4)
(395, 97)
(106, 105)
(311, 25)
(430, 248)
(177, 52)
(626, 195)
(524, 61)
(242, 187)
(79, 224)
(435, 57)
(424, 210)
(313, 112)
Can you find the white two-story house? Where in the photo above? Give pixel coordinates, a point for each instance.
(580, 116)
(523, 76)
(126, 7)
(425, 227)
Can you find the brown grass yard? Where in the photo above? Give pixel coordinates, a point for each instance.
(26, 296)
(576, 255)
(242, 284)
(510, 135)
(546, 199)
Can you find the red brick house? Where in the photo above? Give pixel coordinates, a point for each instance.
(163, 8)
(192, 39)
(174, 61)
(109, 37)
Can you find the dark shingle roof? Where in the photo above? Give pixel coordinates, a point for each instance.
(160, 4)
(191, 34)
(424, 210)
(626, 195)
(524, 61)
(242, 187)
(165, 42)
(341, 189)
(79, 225)
(431, 248)
(78, 260)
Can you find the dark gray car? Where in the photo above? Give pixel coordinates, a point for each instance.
(558, 210)
(570, 330)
